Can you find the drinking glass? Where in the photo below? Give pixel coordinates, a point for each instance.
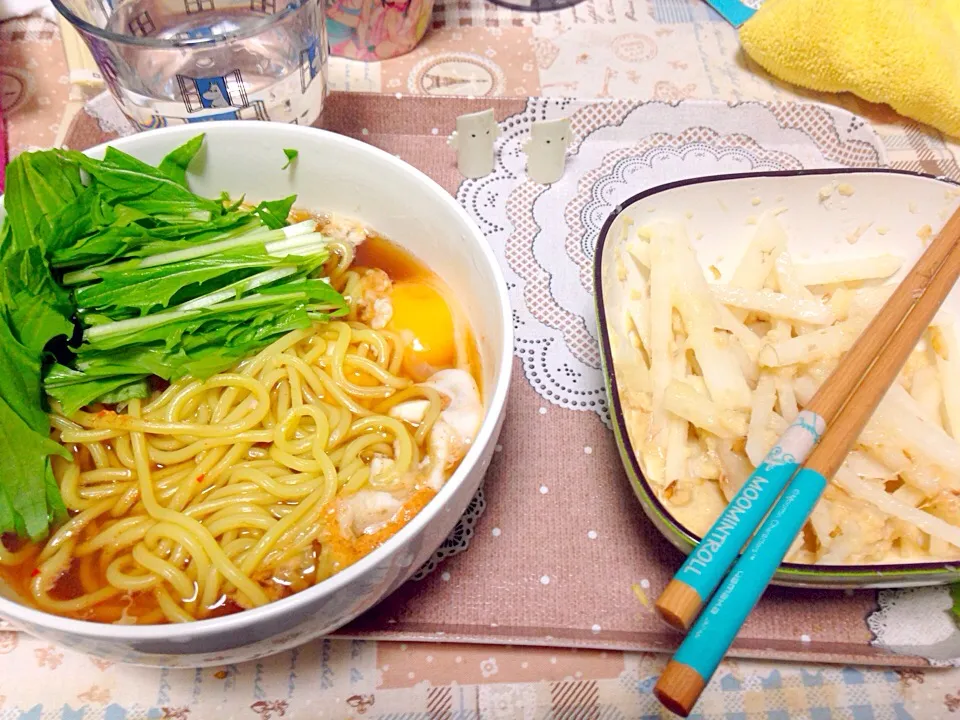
(170, 62)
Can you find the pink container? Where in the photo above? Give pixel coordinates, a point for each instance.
(376, 29)
(3, 150)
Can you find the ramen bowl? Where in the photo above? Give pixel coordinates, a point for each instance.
(828, 216)
(344, 176)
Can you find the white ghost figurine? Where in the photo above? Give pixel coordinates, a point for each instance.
(473, 140)
(547, 150)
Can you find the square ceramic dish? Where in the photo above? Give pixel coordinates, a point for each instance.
(829, 215)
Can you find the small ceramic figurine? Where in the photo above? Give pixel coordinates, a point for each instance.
(473, 141)
(547, 150)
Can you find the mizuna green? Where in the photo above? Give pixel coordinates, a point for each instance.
(113, 272)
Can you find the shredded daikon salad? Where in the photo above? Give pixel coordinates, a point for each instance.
(712, 369)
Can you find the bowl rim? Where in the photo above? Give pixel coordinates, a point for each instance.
(635, 473)
(184, 632)
(173, 44)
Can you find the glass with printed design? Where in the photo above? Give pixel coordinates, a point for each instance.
(171, 62)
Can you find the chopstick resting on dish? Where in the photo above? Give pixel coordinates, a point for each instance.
(711, 636)
(706, 566)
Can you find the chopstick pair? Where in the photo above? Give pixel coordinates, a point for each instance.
(826, 430)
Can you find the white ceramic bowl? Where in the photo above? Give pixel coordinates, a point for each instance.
(332, 173)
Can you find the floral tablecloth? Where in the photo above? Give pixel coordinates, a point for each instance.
(649, 49)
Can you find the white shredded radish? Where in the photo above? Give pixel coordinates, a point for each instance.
(845, 271)
(710, 375)
(763, 400)
(774, 304)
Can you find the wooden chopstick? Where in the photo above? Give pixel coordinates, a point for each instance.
(708, 563)
(711, 636)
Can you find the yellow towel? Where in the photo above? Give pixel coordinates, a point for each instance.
(905, 53)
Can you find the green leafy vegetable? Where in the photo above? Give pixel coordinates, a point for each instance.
(291, 156)
(168, 328)
(274, 212)
(121, 178)
(33, 311)
(25, 465)
(39, 187)
(37, 309)
(174, 165)
(130, 391)
(114, 271)
(167, 253)
(74, 389)
(30, 321)
(145, 289)
(188, 342)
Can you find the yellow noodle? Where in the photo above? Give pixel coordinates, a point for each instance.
(276, 488)
(101, 458)
(244, 584)
(165, 570)
(137, 426)
(344, 252)
(71, 529)
(70, 488)
(10, 557)
(338, 358)
(211, 489)
(172, 611)
(152, 406)
(354, 481)
(212, 506)
(118, 535)
(199, 562)
(106, 475)
(185, 391)
(322, 495)
(46, 576)
(130, 582)
(99, 492)
(127, 501)
(88, 575)
(182, 454)
(316, 349)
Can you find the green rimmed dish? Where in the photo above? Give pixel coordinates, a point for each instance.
(828, 215)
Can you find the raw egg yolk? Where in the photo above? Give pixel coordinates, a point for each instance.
(421, 316)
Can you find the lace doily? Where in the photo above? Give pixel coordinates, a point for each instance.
(545, 236)
(459, 539)
(917, 621)
(104, 109)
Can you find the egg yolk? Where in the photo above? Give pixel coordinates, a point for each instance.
(421, 316)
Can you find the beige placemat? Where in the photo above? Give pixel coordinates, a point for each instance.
(563, 555)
